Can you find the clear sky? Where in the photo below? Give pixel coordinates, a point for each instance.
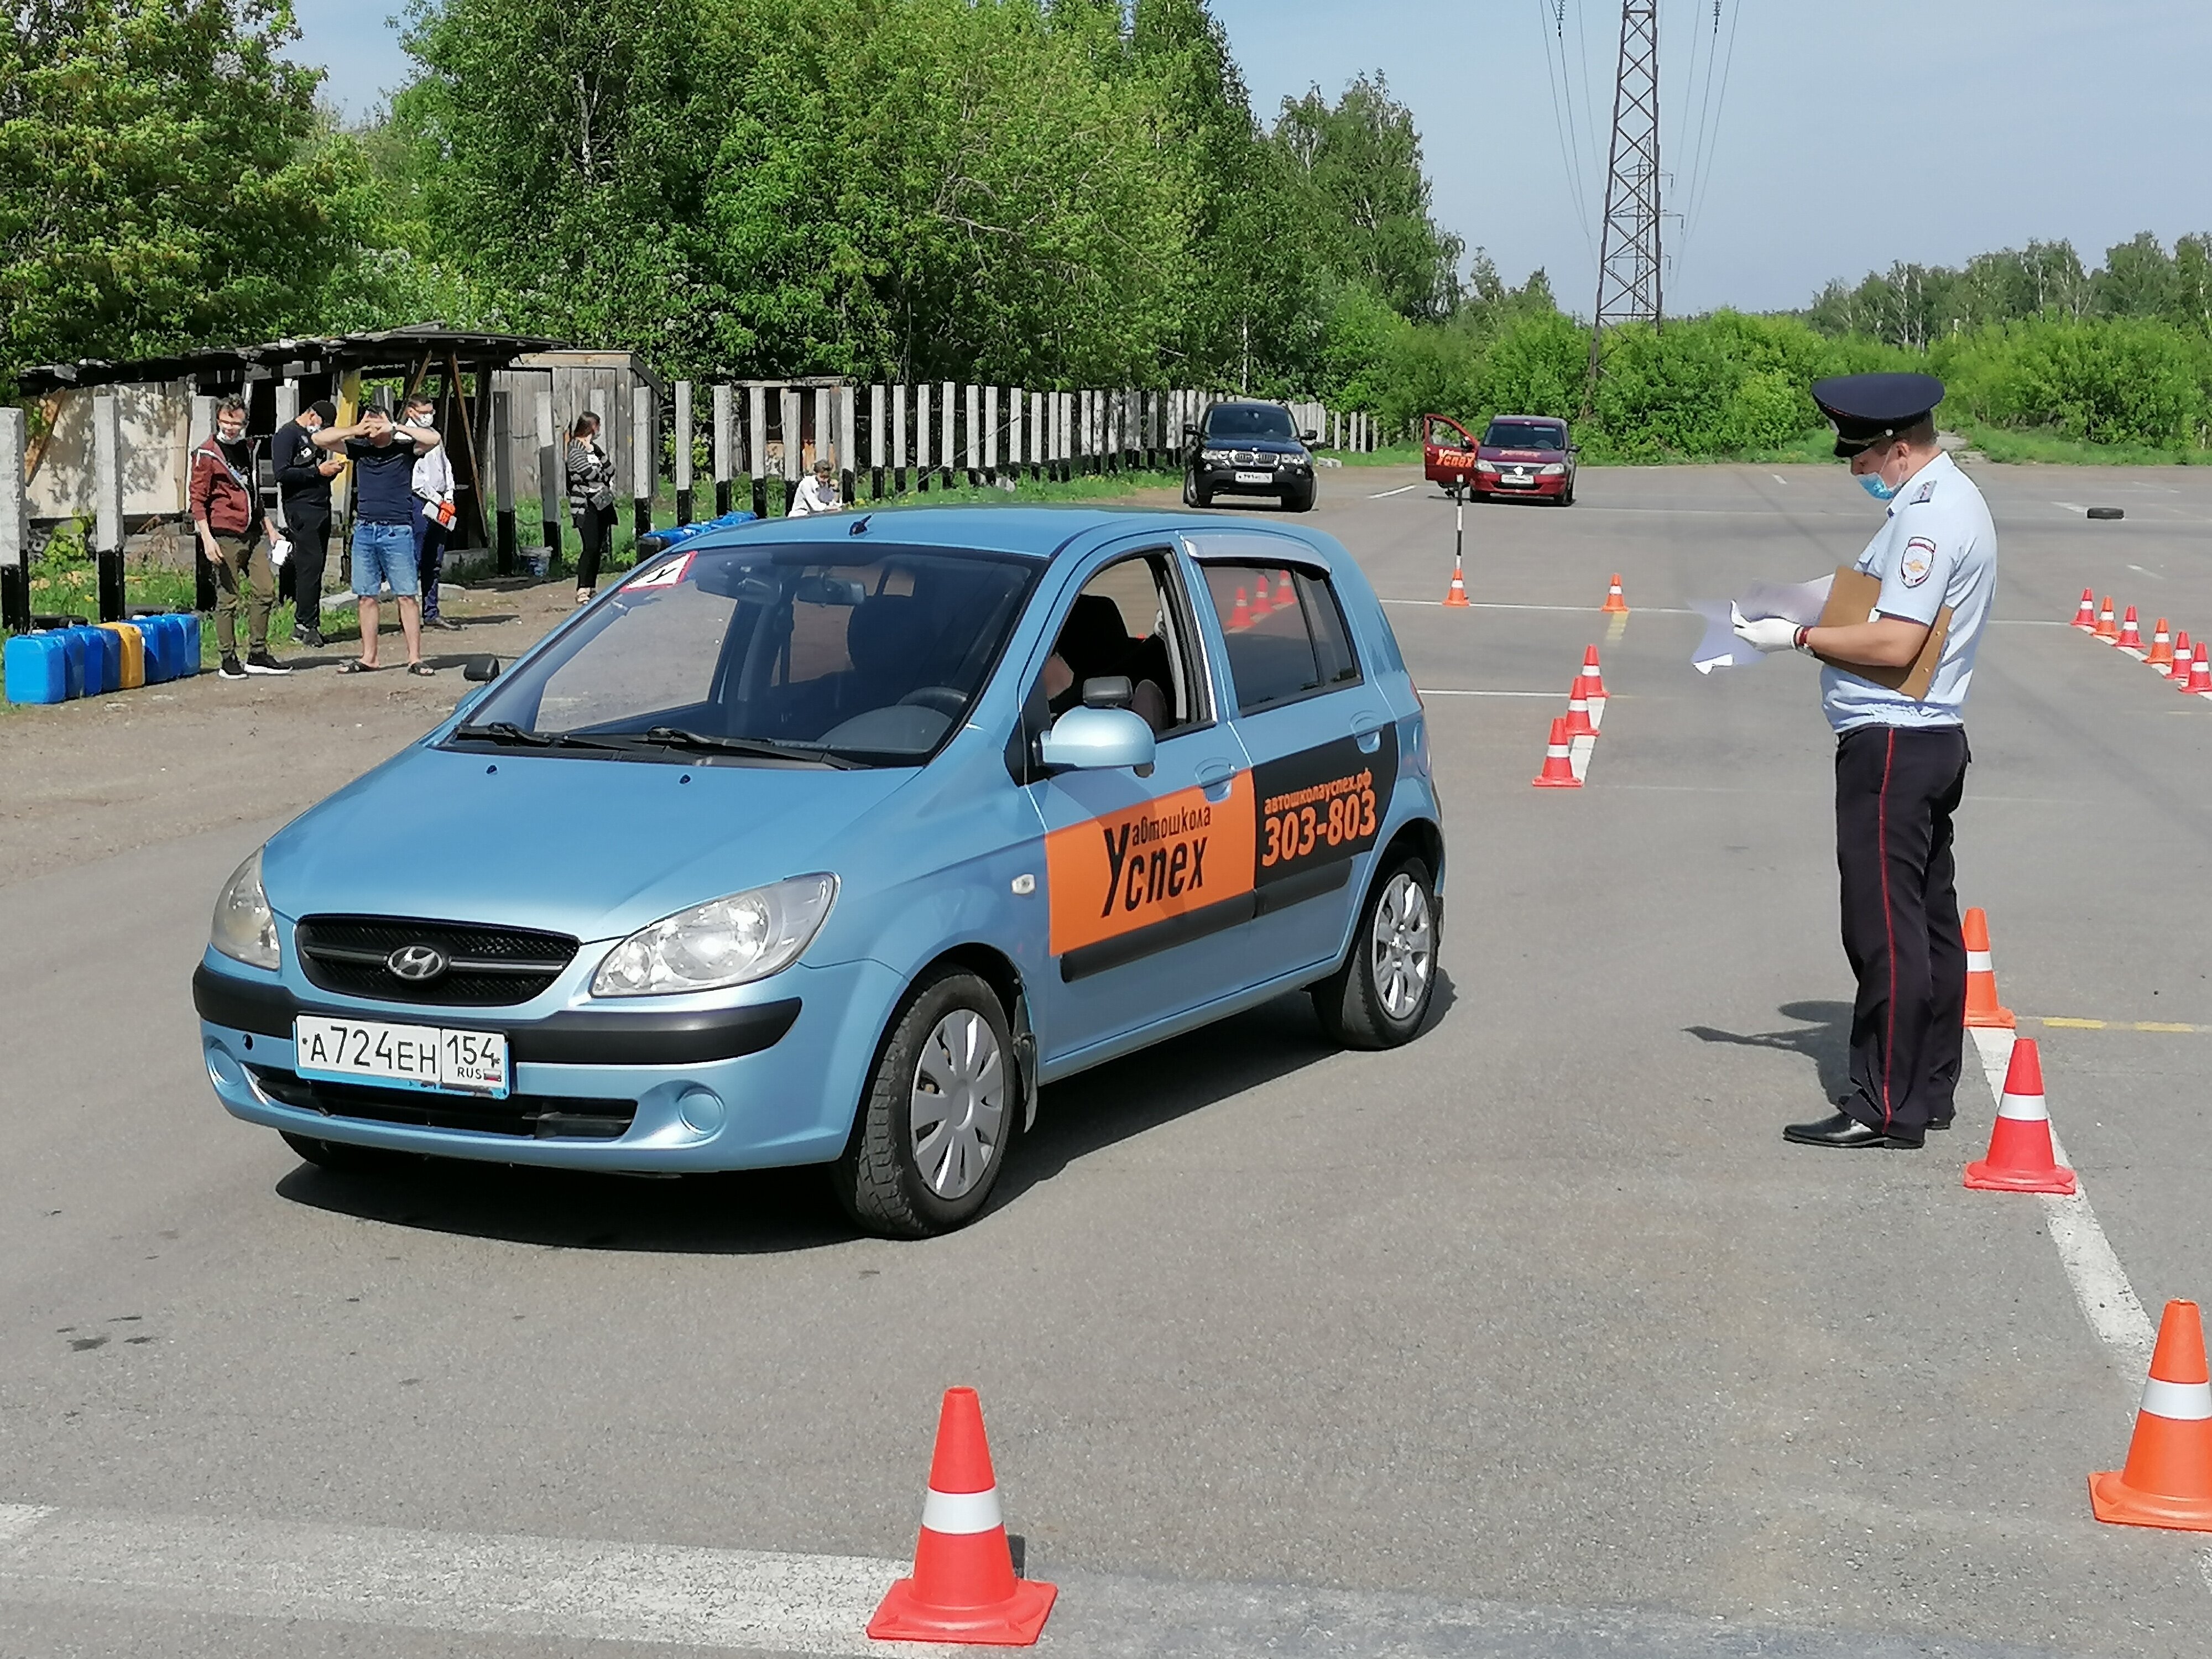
(1840, 138)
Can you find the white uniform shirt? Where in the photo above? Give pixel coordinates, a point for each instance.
(1938, 546)
(814, 496)
(433, 477)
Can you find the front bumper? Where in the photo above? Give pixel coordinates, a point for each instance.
(1504, 484)
(770, 1082)
(1220, 478)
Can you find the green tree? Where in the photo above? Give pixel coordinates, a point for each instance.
(164, 181)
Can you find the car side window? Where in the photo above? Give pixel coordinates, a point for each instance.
(1129, 621)
(1286, 633)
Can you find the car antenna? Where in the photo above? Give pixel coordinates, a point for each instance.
(860, 525)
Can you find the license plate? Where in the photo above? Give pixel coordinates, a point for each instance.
(411, 1056)
(1256, 477)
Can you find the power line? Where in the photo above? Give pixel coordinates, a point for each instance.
(1563, 126)
(1720, 103)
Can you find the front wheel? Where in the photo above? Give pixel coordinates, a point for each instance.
(1196, 494)
(931, 1133)
(1380, 996)
(1299, 499)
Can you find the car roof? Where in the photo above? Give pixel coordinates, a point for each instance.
(1536, 419)
(1044, 532)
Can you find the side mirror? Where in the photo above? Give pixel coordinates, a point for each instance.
(481, 670)
(1190, 432)
(1307, 437)
(1088, 739)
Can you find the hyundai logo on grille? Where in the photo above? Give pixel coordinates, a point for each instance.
(416, 962)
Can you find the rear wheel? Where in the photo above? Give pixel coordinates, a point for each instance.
(1380, 996)
(931, 1134)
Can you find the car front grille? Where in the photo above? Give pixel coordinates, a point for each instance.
(1253, 457)
(486, 967)
(526, 1117)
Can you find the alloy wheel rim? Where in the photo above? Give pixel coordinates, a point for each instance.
(959, 1103)
(1403, 946)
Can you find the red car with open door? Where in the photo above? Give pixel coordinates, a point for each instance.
(1517, 455)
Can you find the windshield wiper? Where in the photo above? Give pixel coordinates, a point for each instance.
(513, 736)
(676, 737)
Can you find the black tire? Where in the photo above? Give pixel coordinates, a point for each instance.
(1354, 1004)
(343, 1157)
(1196, 494)
(1299, 500)
(881, 1179)
(1567, 496)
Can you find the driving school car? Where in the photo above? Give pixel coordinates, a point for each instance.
(829, 841)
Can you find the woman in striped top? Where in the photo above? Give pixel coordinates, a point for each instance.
(591, 500)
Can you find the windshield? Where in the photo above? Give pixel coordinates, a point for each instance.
(1249, 422)
(1525, 435)
(762, 651)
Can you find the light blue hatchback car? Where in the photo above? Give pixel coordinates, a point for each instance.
(827, 841)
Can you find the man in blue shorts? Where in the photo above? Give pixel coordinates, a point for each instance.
(383, 456)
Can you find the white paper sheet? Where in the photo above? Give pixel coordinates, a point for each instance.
(1797, 602)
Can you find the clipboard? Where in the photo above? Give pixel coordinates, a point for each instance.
(1852, 598)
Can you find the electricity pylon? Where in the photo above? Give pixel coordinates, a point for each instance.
(1628, 257)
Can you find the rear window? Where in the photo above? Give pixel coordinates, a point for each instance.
(1286, 634)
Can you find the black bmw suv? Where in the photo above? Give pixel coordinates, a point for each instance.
(1247, 449)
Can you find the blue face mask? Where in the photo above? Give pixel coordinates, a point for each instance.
(1875, 486)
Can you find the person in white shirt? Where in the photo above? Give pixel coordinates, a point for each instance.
(817, 493)
(432, 485)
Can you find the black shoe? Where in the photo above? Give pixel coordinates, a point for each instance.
(1940, 1123)
(1847, 1131)
(312, 637)
(445, 623)
(260, 662)
(229, 670)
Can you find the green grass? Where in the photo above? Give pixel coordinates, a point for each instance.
(2008, 445)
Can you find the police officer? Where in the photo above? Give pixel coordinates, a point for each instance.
(1900, 764)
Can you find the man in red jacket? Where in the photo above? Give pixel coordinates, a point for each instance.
(226, 511)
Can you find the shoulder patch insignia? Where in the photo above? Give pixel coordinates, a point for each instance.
(1925, 493)
(1919, 559)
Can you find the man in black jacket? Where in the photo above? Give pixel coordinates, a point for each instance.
(303, 487)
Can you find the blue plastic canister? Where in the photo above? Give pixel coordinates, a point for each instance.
(162, 649)
(191, 622)
(37, 668)
(103, 661)
(83, 661)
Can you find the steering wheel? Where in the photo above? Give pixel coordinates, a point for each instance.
(943, 698)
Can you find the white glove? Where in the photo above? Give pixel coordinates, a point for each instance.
(1767, 634)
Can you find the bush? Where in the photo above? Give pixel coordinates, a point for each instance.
(2109, 380)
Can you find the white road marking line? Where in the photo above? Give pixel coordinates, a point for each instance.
(547, 1587)
(1778, 478)
(2155, 575)
(1384, 495)
(16, 1519)
(1486, 604)
(2072, 507)
(1450, 691)
(2100, 1284)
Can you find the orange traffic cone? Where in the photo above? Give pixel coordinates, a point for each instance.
(1285, 595)
(1559, 771)
(1982, 1005)
(1614, 600)
(1591, 672)
(2020, 1158)
(1584, 687)
(2107, 629)
(2200, 674)
(2167, 1481)
(2161, 648)
(964, 1588)
(2184, 657)
(1262, 604)
(1578, 719)
(1240, 616)
(2130, 636)
(2085, 614)
(1456, 595)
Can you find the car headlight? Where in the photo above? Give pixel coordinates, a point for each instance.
(1486, 466)
(725, 941)
(1218, 456)
(245, 929)
(1556, 470)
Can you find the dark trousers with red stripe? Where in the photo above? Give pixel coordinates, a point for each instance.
(1896, 789)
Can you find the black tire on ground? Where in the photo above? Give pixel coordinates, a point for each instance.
(1300, 499)
(2107, 513)
(1380, 996)
(1196, 493)
(1567, 496)
(949, 1039)
(342, 1158)
(1189, 488)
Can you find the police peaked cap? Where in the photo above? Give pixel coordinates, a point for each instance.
(1867, 408)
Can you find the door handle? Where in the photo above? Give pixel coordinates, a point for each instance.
(1215, 778)
(1367, 731)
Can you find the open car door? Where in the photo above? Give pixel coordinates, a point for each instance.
(1447, 452)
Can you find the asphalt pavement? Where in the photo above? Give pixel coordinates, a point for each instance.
(1533, 1337)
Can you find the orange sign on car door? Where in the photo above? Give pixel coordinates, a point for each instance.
(1153, 865)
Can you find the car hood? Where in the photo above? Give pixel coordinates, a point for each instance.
(593, 847)
(1492, 453)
